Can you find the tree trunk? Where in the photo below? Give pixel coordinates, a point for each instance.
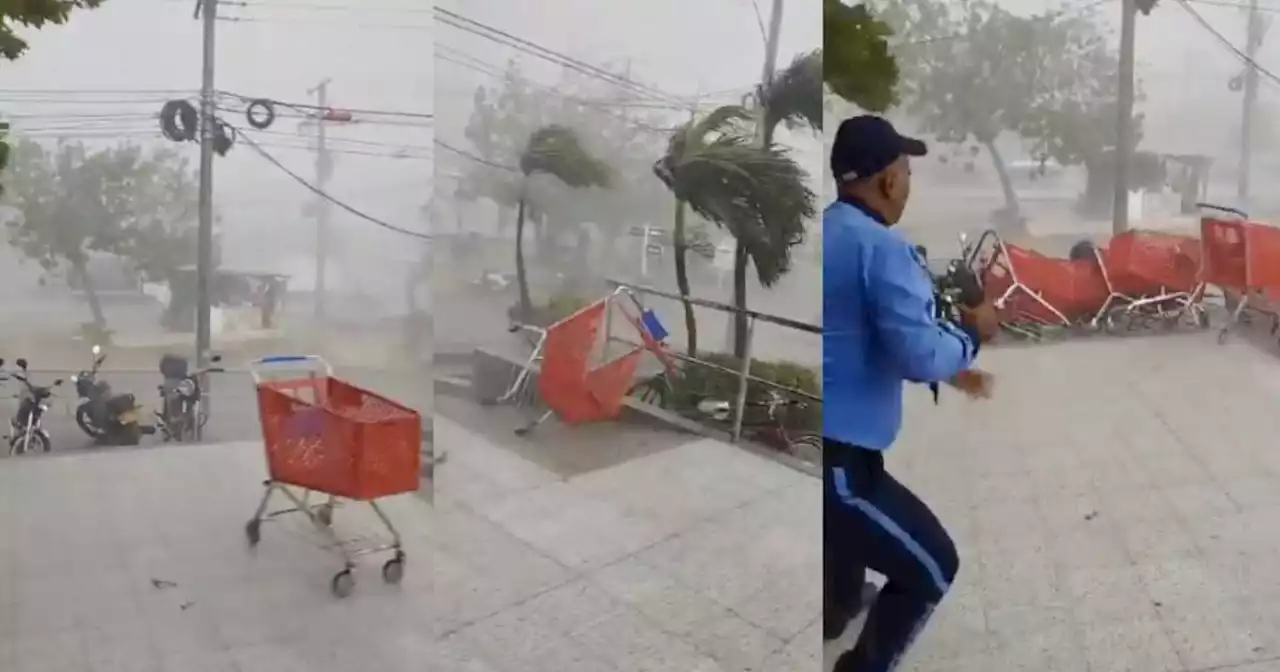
(740, 262)
(1006, 183)
(1099, 192)
(522, 279)
(90, 293)
(682, 280)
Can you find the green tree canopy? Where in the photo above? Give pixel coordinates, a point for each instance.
(973, 71)
(124, 200)
(33, 14)
(759, 195)
(505, 116)
(555, 151)
(856, 63)
(715, 166)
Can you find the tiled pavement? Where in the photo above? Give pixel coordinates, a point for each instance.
(1116, 505)
(700, 558)
(1117, 508)
(136, 561)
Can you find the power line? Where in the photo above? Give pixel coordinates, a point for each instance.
(322, 194)
(464, 60)
(1236, 5)
(404, 154)
(301, 107)
(323, 22)
(391, 123)
(272, 4)
(354, 141)
(468, 155)
(1186, 5)
(534, 49)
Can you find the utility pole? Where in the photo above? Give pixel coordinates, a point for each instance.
(738, 325)
(1124, 118)
(207, 11)
(324, 169)
(1253, 41)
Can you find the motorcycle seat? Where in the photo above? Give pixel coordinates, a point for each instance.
(121, 402)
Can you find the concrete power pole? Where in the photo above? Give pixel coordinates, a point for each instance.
(207, 11)
(1253, 42)
(1124, 118)
(324, 169)
(739, 322)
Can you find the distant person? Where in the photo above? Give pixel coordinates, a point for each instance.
(880, 331)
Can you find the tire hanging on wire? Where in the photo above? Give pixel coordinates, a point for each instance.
(179, 121)
(260, 114)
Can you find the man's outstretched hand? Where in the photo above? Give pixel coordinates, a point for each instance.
(975, 383)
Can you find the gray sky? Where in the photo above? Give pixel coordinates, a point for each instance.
(708, 50)
(377, 52)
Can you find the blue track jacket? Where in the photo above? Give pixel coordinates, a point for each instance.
(879, 328)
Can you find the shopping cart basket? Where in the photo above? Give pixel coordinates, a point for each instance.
(326, 436)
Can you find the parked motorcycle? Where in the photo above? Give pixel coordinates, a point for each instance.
(108, 418)
(92, 393)
(182, 411)
(29, 435)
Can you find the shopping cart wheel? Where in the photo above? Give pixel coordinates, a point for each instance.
(253, 531)
(343, 584)
(1223, 335)
(393, 570)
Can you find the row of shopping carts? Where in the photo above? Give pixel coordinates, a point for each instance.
(1141, 280)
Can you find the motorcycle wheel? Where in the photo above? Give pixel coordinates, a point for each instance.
(86, 424)
(19, 445)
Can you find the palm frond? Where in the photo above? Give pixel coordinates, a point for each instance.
(558, 151)
(794, 96)
(759, 195)
(693, 136)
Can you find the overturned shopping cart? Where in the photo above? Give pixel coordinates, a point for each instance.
(325, 436)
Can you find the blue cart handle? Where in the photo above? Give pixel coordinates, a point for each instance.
(281, 359)
(256, 366)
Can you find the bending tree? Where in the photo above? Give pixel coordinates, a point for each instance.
(556, 151)
(123, 200)
(972, 71)
(506, 114)
(794, 98)
(714, 166)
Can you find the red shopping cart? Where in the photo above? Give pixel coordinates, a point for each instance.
(1240, 260)
(323, 435)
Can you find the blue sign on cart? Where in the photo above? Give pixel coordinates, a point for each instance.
(652, 325)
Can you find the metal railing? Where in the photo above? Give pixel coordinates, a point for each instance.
(743, 374)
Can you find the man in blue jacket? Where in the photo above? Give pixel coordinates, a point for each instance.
(880, 331)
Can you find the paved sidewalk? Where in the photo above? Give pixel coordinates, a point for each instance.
(1117, 508)
(700, 558)
(136, 561)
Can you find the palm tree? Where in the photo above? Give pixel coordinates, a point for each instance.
(715, 167)
(794, 98)
(556, 151)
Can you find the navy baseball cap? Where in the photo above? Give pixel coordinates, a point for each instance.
(866, 145)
